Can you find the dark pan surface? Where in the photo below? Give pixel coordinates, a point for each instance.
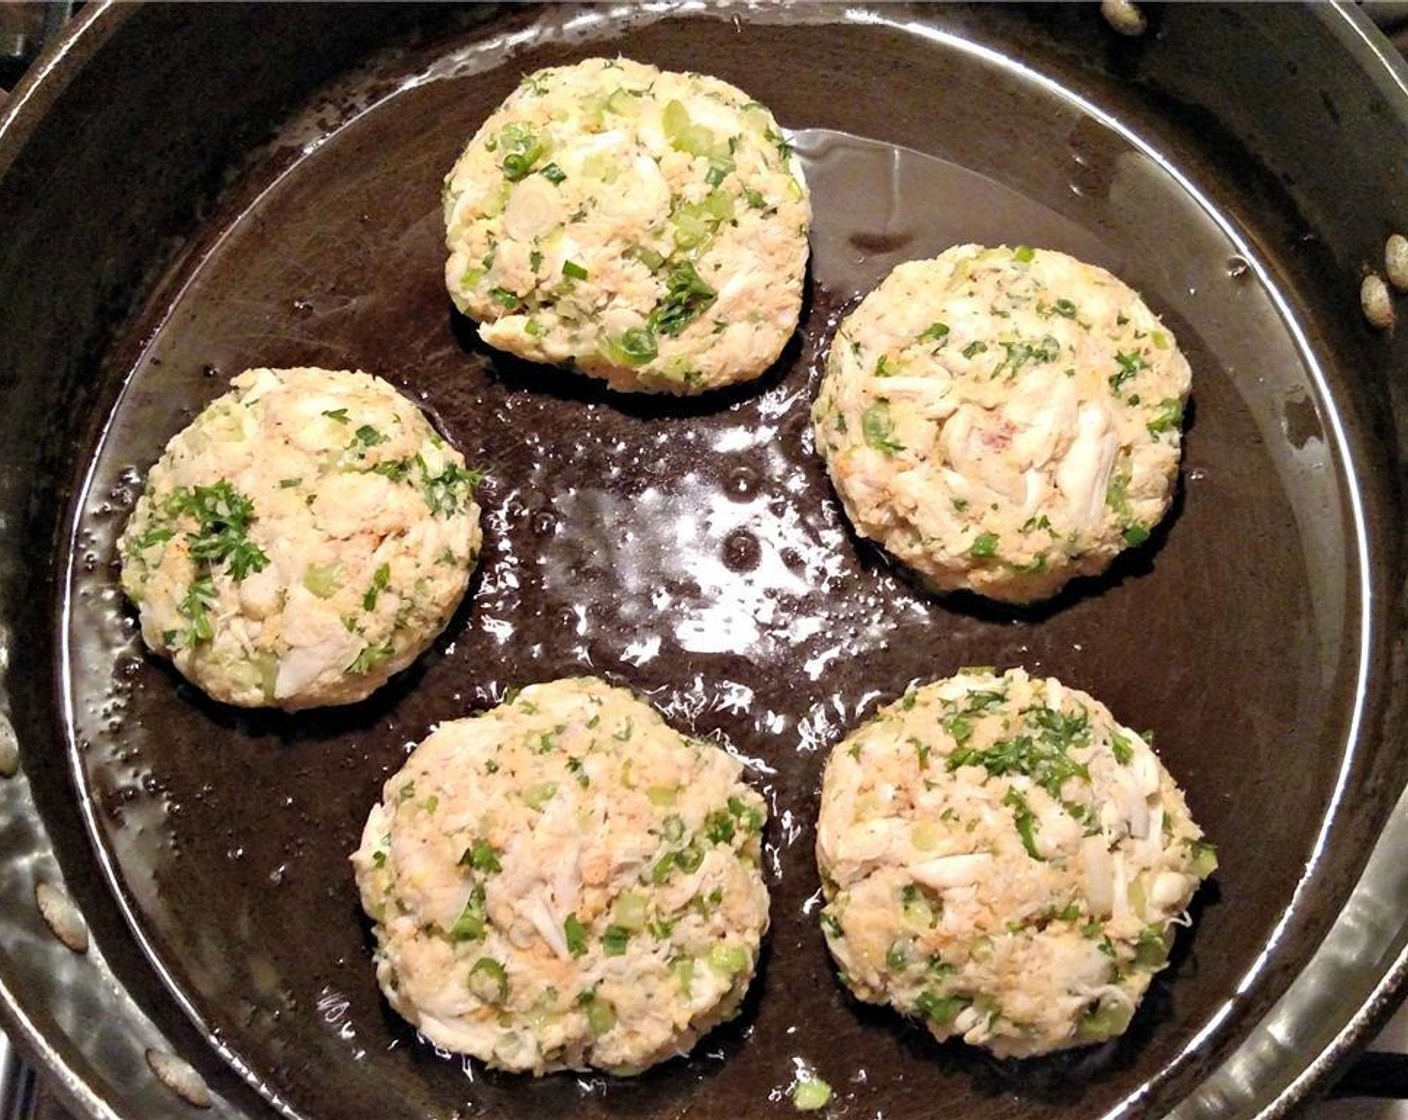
(694, 551)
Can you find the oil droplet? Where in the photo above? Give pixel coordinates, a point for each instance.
(303, 307)
(742, 552)
(741, 483)
(9, 749)
(1237, 267)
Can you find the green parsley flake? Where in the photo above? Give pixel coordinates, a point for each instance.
(687, 297)
(380, 578)
(223, 516)
(984, 546)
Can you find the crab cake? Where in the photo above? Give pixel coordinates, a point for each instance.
(1002, 420)
(304, 538)
(641, 226)
(565, 882)
(1004, 862)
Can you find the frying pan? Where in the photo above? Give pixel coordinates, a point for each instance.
(190, 190)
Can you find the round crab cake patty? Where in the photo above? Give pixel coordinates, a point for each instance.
(304, 538)
(1004, 862)
(1002, 420)
(638, 225)
(565, 882)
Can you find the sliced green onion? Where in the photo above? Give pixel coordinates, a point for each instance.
(878, 428)
(810, 1093)
(728, 959)
(539, 795)
(576, 934)
(939, 1009)
(321, 580)
(636, 347)
(631, 910)
(488, 980)
(601, 1016)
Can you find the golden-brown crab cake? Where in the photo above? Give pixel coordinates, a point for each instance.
(641, 226)
(1003, 420)
(1004, 862)
(565, 882)
(304, 538)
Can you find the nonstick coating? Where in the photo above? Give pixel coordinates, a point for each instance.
(694, 551)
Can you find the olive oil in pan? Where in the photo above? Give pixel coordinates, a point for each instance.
(691, 550)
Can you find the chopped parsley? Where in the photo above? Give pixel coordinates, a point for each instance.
(984, 546)
(1040, 758)
(366, 437)
(196, 604)
(573, 271)
(1117, 498)
(223, 516)
(380, 578)
(397, 470)
(482, 856)
(371, 656)
(447, 491)
(686, 298)
(1130, 364)
(1025, 819)
(1021, 352)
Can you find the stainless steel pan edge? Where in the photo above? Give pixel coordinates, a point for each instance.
(1363, 962)
(88, 1021)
